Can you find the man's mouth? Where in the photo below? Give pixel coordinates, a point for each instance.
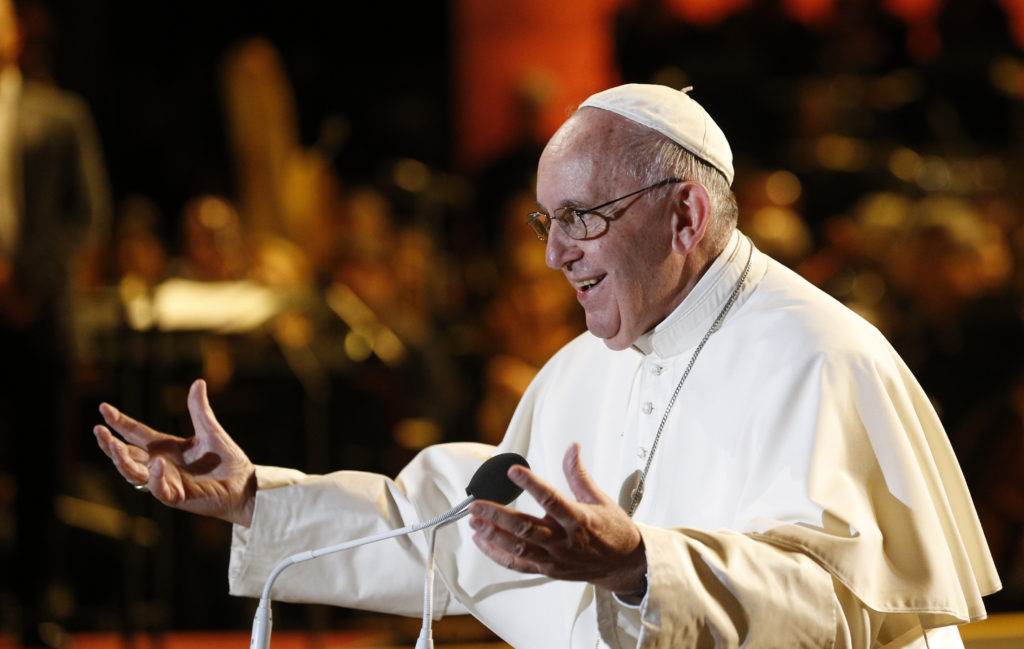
(587, 284)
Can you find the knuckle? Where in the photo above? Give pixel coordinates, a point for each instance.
(487, 532)
(580, 537)
(524, 528)
(548, 501)
(583, 522)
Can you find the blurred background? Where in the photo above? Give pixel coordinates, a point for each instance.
(320, 208)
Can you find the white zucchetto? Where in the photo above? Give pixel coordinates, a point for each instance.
(673, 114)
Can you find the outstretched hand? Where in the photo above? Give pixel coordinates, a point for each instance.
(589, 539)
(205, 474)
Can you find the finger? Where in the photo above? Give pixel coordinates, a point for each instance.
(158, 486)
(504, 558)
(203, 420)
(531, 560)
(165, 484)
(560, 508)
(134, 431)
(580, 481)
(103, 438)
(130, 467)
(106, 441)
(507, 542)
(518, 524)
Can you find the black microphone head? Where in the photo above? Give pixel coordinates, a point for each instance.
(490, 482)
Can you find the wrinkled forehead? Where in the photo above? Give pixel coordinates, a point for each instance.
(591, 140)
(592, 130)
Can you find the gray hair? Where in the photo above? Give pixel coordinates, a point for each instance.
(650, 157)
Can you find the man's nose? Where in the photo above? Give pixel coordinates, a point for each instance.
(562, 251)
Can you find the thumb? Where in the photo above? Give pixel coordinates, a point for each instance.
(164, 484)
(203, 420)
(582, 485)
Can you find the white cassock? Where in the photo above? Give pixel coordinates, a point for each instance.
(803, 494)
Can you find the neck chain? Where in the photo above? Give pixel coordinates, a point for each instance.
(638, 492)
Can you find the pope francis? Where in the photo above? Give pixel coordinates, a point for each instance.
(727, 458)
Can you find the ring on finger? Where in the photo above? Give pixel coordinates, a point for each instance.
(144, 488)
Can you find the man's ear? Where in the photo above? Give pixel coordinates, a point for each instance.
(691, 213)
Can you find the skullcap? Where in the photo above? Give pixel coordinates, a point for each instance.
(673, 114)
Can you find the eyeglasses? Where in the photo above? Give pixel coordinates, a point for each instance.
(583, 224)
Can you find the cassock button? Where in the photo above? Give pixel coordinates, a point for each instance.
(641, 452)
(656, 370)
(648, 408)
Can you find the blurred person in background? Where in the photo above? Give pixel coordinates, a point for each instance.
(140, 254)
(214, 247)
(53, 197)
(285, 191)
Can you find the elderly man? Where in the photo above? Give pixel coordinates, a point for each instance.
(761, 468)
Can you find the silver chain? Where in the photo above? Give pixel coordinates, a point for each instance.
(638, 492)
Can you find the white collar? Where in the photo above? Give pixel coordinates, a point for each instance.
(684, 327)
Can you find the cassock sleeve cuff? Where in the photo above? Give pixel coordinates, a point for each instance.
(736, 588)
(244, 568)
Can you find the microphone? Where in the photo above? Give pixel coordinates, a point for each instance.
(490, 482)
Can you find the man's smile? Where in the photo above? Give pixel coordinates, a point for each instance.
(585, 285)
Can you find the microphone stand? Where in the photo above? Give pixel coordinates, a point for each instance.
(426, 638)
(490, 482)
(263, 620)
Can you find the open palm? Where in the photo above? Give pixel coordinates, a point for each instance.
(205, 474)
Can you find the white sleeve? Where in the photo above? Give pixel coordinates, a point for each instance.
(296, 512)
(722, 589)
(726, 589)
